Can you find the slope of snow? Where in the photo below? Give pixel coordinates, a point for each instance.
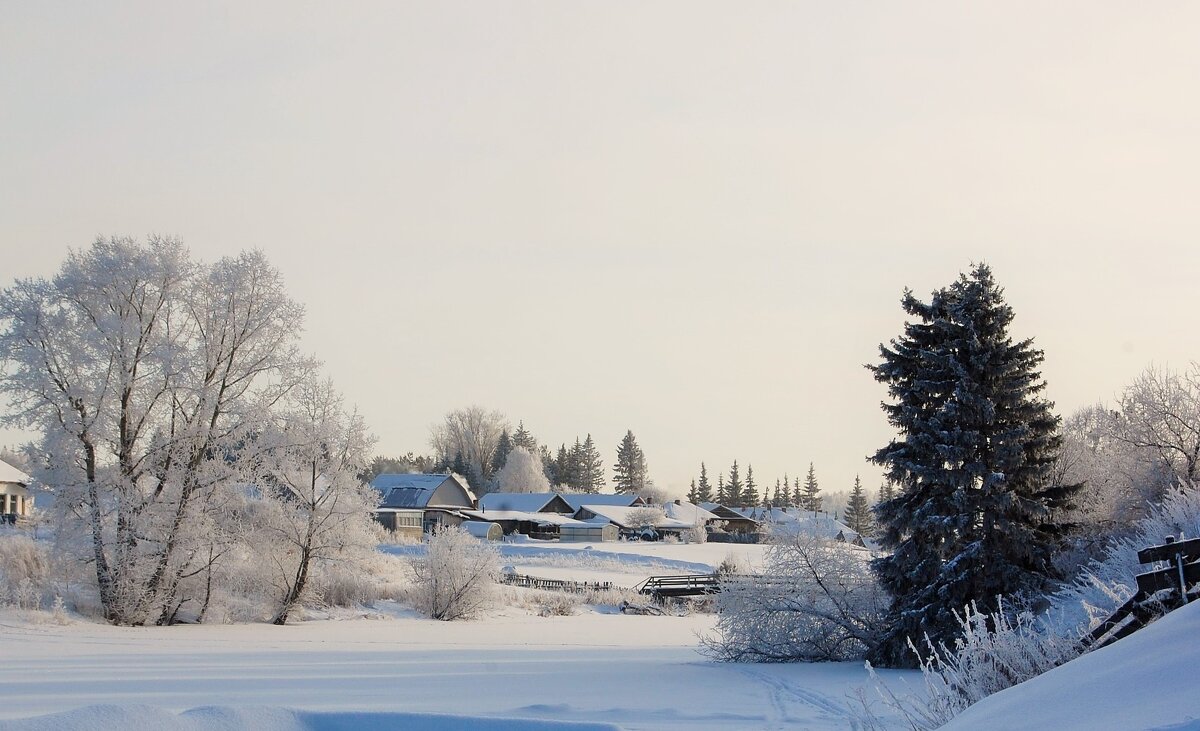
(1145, 682)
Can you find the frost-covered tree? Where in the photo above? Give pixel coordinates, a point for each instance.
(810, 499)
(471, 436)
(522, 473)
(629, 471)
(456, 578)
(316, 508)
(147, 375)
(972, 460)
(750, 496)
(1160, 416)
(815, 601)
(858, 510)
(704, 493)
(646, 516)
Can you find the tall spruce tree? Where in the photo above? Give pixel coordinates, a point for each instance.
(885, 492)
(858, 510)
(503, 447)
(811, 498)
(777, 500)
(797, 493)
(735, 486)
(522, 438)
(704, 493)
(750, 496)
(973, 514)
(722, 493)
(591, 467)
(629, 471)
(692, 494)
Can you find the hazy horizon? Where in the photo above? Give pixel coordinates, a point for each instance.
(692, 220)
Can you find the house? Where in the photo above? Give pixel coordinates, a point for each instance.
(629, 523)
(734, 521)
(540, 515)
(794, 521)
(690, 513)
(16, 502)
(416, 504)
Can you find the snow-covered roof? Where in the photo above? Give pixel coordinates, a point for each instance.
(723, 512)
(8, 473)
(578, 500)
(621, 515)
(539, 518)
(688, 512)
(795, 520)
(528, 502)
(421, 491)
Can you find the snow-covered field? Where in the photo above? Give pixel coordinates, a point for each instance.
(598, 666)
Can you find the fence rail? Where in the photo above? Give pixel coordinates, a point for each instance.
(573, 587)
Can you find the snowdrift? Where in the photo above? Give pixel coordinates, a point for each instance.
(217, 718)
(1145, 682)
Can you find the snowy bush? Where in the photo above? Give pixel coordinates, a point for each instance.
(817, 600)
(697, 534)
(24, 571)
(457, 576)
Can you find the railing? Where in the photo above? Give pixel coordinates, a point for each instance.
(685, 585)
(1158, 591)
(534, 582)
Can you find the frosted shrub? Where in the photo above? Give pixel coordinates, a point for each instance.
(698, 534)
(817, 600)
(24, 571)
(457, 576)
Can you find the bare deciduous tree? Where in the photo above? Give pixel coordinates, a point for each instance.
(472, 433)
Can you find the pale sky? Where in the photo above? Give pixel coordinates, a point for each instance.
(689, 219)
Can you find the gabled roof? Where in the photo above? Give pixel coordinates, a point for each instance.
(528, 502)
(539, 518)
(579, 499)
(423, 491)
(688, 512)
(8, 473)
(796, 521)
(724, 513)
(620, 516)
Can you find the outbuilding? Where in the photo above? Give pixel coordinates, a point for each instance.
(483, 529)
(579, 532)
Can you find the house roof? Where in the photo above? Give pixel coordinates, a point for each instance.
(529, 502)
(579, 499)
(533, 517)
(422, 491)
(620, 515)
(688, 512)
(8, 473)
(724, 513)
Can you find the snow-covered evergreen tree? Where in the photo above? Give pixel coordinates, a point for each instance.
(590, 466)
(522, 438)
(735, 486)
(503, 447)
(704, 493)
(750, 496)
(973, 517)
(629, 472)
(858, 510)
(811, 498)
(777, 500)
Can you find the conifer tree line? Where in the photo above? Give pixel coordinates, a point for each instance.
(735, 490)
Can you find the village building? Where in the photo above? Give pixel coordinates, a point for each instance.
(412, 505)
(733, 522)
(16, 501)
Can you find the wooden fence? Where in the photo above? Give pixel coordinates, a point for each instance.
(573, 587)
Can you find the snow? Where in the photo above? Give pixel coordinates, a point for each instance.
(387, 667)
(1145, 682)
(632, 671)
